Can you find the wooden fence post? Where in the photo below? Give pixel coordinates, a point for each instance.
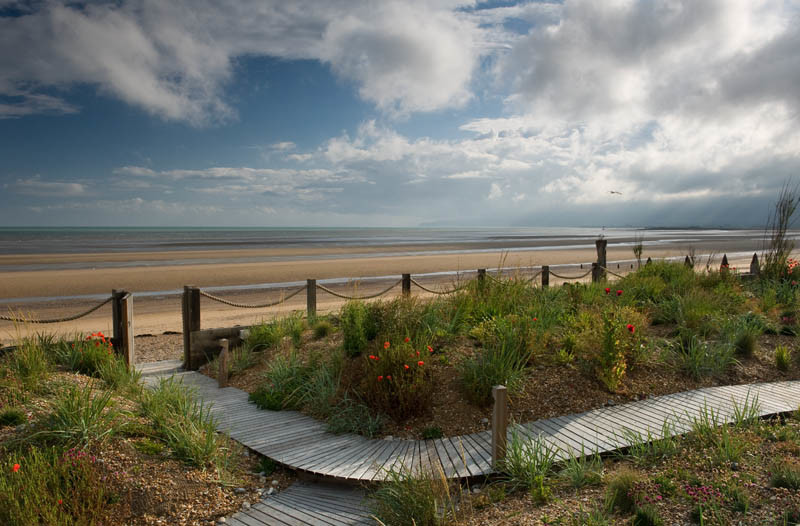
(649, 260)
(688, 262)
(755, 268)
(311, 298)
(481, 276)
(222, 363)
(116, 318)
(595, 272)
(545, 276)
(724, 265)
(406, 285)
(191, 322)
(126, 316)
(499, 424)
(600, 245)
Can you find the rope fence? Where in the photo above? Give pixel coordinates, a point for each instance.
(440, 292)
(367, 297)
(249, 305)
(559, 276)
(57, 320)
(611, 272)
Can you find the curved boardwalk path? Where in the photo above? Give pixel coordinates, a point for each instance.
(302, 443)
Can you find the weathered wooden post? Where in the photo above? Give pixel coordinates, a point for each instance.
(545, 276)
(191, 322)
(116, 318)
(723, 267)
(755, 268)
(311, 298)
(688, 262)
(600, 245)
(406, 285)
(649, 260)
(499, 425)
(481, 276)
(126, 316)
(222, 362)
(595, 272)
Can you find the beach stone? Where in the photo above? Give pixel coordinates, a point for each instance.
(245, 505)
(262, 479)
(275, 482)
(240, 491)
(485, 421)
(476, 490)
(390, 438)
(221, 520)
(270, 491)
(611, 403)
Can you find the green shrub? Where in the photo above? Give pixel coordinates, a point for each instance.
(54, 487)
(80, 417)
(745, 343)
(620, 493)
(406, 498)
(528, 461)
(647, 516)
(29, 363)
(85, 355)
(785, 475)
(432, 432)
(322, 328)
(283, 383)
(12, 417)
(269, 335)
(350, 416)
(117, 375)
(782, 358)
(396, 380)
(184, 423)
(354, 330)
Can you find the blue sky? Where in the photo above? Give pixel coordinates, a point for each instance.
(351, 113)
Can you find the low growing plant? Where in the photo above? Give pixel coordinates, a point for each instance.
(620, 493)
(422, 500)
(582, 469)
(12, 417)
(528, 461)
(782, 358)
(80, 417)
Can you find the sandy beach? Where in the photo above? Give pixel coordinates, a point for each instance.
(159, 312)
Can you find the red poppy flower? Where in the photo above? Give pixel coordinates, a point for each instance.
(608, 290)
(386, 345)
(417, 353)
(536, 319)
(405, 366)
(430, 349)
(15, 468)
(389, 377)
(60, 502)
(380, 378)
(631, 328)
(407, 339)
(420, 363)
(619, 292)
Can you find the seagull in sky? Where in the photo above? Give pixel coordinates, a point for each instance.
(614, 192)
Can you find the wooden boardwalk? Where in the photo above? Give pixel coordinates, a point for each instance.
(303, 443)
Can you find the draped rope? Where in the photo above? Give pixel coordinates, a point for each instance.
(57, 320)
(571, 277)
(253, 306)
(367, 297)
(426, 289)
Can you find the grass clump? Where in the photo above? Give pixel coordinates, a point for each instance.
(528, 462)
(322, 328)
(12, 417)
(268, 335)
(184, 423)
(620, 493)
(81, 417)
(432, 432)
(647, 516)
(785, 475)
(699, 358)
(582, 469)
(351, 416)
(354, 327)
(422, 500)
(29, 363)
(283, 383)
(782, 358)
(45, 485)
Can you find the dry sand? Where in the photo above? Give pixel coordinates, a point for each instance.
(162, 313)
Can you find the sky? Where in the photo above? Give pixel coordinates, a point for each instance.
(397, 113)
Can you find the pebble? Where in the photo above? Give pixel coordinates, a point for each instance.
(390, 437)
(221, 520)
(611, 403)
(246, 453)
(245, 505)
(270, 491)
(262, 479)
(476, 490)
(275, 482)
(485, 421)
(240, 491)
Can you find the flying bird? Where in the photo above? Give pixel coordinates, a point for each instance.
(614, 192)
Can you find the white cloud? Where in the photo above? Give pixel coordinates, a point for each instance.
(495, 192)
(175, 59)
(36, 186)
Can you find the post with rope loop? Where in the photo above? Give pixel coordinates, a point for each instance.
(481, 279)
(545, 276)
(126, 317)
(755, 268)
(406, 285)
(116, 317)
(499, 425)
(600, 245)
(596, 272)
(191, 322)
(311, 298)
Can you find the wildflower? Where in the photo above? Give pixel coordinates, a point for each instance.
(60, 502)
(386, 345)
(407, 339)
(380, 378)
(417, 354)
(535, 319)
(15, 468)
(608, 290)
(389, 377)
(373, 357)
(619, 292)
(420, 363)
(631, 328)
(405, 366)
(430, 349)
